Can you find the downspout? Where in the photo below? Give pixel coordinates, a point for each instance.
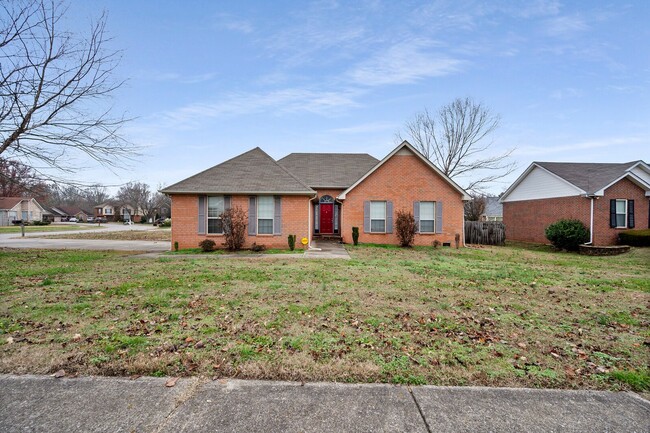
(591, 222)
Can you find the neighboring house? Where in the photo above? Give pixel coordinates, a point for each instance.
(20, 208)
(55, 215)
(607, 198)
(316, 194)
(114, 212)
(105, 210)
(68, 212)
(493, 210)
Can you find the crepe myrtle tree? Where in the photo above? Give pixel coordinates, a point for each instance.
(52, 83)
(456, 138)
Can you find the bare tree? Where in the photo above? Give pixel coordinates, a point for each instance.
(135, 194)
(475, 207)
(50, 83)
(94, 195)
(455, 139)
(16, 179)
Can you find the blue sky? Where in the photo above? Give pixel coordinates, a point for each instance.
(209, 80)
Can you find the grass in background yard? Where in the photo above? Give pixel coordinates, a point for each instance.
(50, 228)
(499, 316)
(126, 235)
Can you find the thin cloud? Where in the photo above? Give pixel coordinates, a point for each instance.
(366, 128)
(279, 102)
(565, 26)
(229, 22)
(585, 145)
(405, 62)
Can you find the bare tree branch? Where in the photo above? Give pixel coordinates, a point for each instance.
(51, 83)
(455, 139)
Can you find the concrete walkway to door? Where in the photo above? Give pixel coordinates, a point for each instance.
(321, 249)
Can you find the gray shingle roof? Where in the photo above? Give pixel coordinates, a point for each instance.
(590, 177)
(335, 170)
(253, 172)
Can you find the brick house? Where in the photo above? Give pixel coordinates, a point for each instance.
(319, 195)
(25, 209)
(607, 198)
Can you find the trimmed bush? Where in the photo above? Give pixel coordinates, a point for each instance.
(258, 248)
(635, 238)
(567, 234)
(355, 235)
(292, 242)
(166, 223)
(176, 246)
(41, 223)
(405, 228)
(207, 245)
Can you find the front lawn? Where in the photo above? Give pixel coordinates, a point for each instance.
(498, 316)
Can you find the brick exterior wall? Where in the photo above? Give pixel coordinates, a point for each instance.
(527, 220)
(403, 179)
(185, 225)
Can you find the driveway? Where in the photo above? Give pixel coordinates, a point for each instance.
(38, 240)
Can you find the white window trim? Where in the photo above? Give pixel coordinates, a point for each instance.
(257, 204)
(378, 219)
(434, 218)
(617, 214)
(208, 217)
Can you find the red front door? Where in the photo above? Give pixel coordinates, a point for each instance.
(326, 218)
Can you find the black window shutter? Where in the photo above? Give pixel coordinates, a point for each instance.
(630, 214)
(612, 213)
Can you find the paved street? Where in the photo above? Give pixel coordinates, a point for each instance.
(102, 404)
(41, 240)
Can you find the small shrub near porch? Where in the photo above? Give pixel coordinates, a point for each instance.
(567, 234)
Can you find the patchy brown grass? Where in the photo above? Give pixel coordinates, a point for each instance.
(126, 235)
(508, 316)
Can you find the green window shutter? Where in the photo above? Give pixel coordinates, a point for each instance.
(438, 217)
(252, 216)
(277, 216)
(389, 217)
(416, 215)
(630, 214)
(202, 206)
(612, 213)
(366, 217)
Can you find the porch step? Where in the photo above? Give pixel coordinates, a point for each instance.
(332, 237)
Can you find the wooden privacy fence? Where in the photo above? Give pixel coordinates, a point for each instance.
(485, 232)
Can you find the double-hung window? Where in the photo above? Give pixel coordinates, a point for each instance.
(378, 217)
(265, 214)
(215, 209)
(621, 213)
(427, 216)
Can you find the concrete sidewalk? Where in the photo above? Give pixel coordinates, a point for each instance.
(99, 404)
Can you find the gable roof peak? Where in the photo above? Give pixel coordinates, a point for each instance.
(242, 174)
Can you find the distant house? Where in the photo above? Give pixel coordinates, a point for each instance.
(607, 198)
(115, 212)
(493, 210)
(67, 212)
(319, 195)
(20, 208)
